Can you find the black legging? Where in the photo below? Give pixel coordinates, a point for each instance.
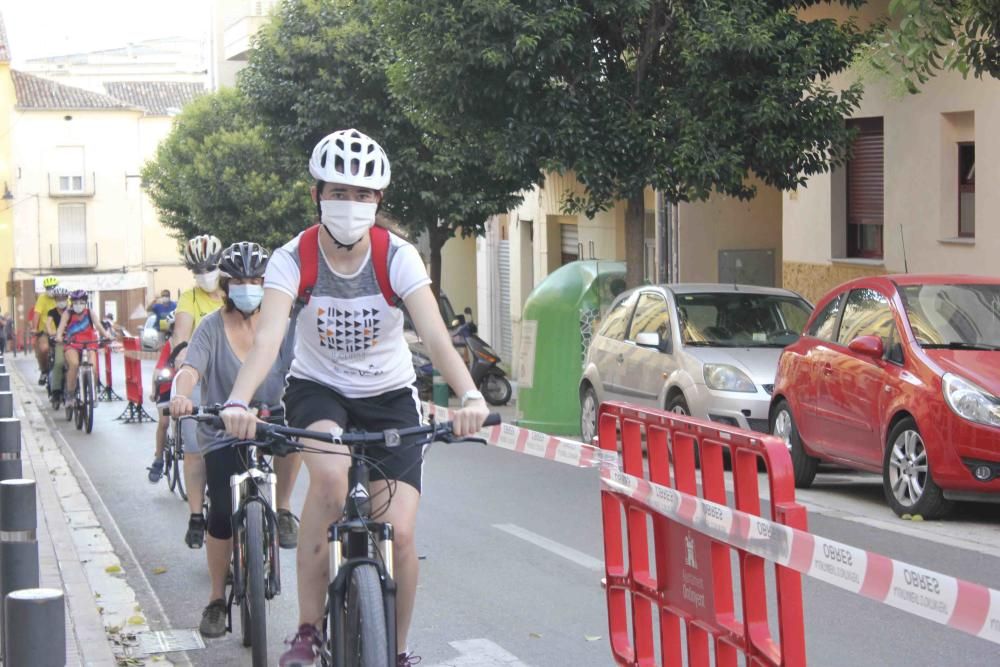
(220, 465)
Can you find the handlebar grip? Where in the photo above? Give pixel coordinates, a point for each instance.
(492, 420)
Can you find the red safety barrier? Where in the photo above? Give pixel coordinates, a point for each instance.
(133, 370)
(689, 586)
(107, 367)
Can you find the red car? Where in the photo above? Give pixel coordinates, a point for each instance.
(899, 375)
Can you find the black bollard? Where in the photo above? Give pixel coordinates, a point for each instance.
(6, 404)
(18, 543)
(10, 449)
(38, 636)
(4, 381)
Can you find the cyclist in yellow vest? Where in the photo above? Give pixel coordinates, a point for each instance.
(43, 304)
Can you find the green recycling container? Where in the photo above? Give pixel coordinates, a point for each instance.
(559, 318)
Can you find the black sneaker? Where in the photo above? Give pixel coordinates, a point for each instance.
(155, 471)
(407, 660)
(213, 619)
(288, 529)
(42, 379)
(195, 536)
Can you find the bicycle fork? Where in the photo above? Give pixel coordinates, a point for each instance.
(255, 485)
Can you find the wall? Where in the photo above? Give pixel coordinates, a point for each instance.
(458, 272)
(7, 100)
(726, 223)
(921, 212)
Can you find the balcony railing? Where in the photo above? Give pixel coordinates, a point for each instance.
(79, 185)
(73, 255)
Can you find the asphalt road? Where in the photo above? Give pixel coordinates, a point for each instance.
(512, 550)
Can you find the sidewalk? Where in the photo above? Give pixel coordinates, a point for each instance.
(74, 553)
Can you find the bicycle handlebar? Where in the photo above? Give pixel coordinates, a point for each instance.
(277, 437)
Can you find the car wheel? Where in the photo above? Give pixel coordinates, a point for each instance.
(783, 426)
(906, 474)
(588, 415)
(678, 405)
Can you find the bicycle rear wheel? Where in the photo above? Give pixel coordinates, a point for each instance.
(88, 401)
(366, 640)
(253, 610)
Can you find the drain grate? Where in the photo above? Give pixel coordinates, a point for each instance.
(168, 641)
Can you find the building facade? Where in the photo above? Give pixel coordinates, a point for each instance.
(78, 209)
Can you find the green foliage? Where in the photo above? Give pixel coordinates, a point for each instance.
(218, 173)
(941, 35)
(689, 97)
(320, 66)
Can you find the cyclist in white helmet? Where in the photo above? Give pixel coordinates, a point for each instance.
(355, 370)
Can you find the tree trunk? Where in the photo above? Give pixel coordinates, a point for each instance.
(437, 237)
(635, 239)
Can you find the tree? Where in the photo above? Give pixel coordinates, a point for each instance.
(941, 35)
(217, 173)
(687, 96)
(320, 66)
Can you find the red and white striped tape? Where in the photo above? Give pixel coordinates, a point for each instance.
(962, 605)
(533, 443)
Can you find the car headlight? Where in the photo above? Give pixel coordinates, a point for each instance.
(723, 377)
(970, 401)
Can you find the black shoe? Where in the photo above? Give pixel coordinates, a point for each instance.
(213, 619)
(41, 379)
(195, 536)
(155, 471)
(288, 529)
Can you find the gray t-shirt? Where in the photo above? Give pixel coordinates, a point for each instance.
(210, 354)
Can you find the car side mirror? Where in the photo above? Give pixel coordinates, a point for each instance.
(870, 346)
(652, 340)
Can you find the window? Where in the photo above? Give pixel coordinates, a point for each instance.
(866, 189)
(651, 316)
(72, 235)
(570, 239)
(967, 190)
(617, 321)
(825, 324)
(866, 313)
(894, 350)
(69, 167)
(794, 315)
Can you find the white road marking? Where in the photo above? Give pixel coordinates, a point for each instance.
(480, 653)
(552, 546)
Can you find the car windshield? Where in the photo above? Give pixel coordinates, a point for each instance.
(740, 319)
(954, 316)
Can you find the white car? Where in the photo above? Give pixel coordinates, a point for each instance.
(706, 350)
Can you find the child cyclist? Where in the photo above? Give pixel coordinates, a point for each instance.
(77, 328)
(351, 366)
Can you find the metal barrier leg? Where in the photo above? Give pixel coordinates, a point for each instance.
(6, 404)
(10, 449)
(18, 543)
(38, 637)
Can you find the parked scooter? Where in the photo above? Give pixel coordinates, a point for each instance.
(483, 362)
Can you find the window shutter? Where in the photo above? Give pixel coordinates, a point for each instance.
(865, 173)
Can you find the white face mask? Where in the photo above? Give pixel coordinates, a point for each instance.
(207, 281)
(79, 308)
(347, 221)
(61, 305)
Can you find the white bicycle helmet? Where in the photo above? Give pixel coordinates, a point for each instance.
(350, 158)
(202, 253)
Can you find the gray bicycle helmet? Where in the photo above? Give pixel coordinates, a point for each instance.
(244, 259)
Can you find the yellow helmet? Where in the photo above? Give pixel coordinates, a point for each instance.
(50, 282)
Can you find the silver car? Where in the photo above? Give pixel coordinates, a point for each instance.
(706, 350)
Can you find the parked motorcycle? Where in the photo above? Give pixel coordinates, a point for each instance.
(482, 360)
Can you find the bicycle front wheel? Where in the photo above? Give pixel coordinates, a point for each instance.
(168, 461)
(178, 451)
(88, 402)
(366, 640)
(253, 612)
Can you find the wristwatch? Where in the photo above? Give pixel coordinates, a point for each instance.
(471, 395)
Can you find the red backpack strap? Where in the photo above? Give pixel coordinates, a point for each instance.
(380, 260)
(308, 263)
